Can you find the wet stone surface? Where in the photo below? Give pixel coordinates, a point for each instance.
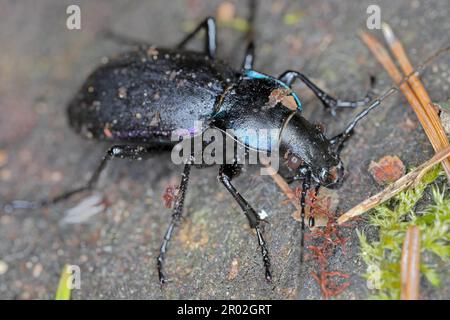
(214, 254)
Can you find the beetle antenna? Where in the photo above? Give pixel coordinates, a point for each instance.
(339, 140)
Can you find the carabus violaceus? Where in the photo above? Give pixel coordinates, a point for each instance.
(139, 98)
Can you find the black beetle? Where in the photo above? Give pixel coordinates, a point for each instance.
(139, 98)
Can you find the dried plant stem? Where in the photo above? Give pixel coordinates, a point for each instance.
(411, 179)
(399, 53)
(428, 124)
(410, 263)
(290, 194)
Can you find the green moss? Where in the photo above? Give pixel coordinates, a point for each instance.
(392, 220)
(64, 290)
(237, 24)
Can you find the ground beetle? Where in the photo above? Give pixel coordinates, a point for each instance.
(139, 98)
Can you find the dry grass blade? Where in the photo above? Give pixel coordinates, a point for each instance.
(401, 184)
(399, 53)
(410, 273)
(384, 58)
(290, 194)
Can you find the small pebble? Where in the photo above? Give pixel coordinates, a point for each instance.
(234, 269)
(226, 12)
(122, 92)
(37, 270)
(3, 267)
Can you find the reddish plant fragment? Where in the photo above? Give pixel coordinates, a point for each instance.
(170, 195)
(328, 287)
(327, 239)
(387, 170)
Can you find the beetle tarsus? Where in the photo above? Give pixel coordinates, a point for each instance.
(265, 254)
(226, 173)
(162, 278)
(176, 218)
(119, 151)
(20, 204)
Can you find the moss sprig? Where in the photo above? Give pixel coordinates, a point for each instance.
(392, 220)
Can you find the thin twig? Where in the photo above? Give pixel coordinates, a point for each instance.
(411, 179)
(383, 57)
(410, 264)
(290, 194)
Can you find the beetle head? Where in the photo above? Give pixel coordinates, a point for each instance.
(306, 149)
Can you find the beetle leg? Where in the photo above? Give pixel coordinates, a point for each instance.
(327, 100)
(249, 57)
(226, 173)
(176, 217)
(118, 151)
(209, 24)
(305, 187)
(339, 140)
(312, 220)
